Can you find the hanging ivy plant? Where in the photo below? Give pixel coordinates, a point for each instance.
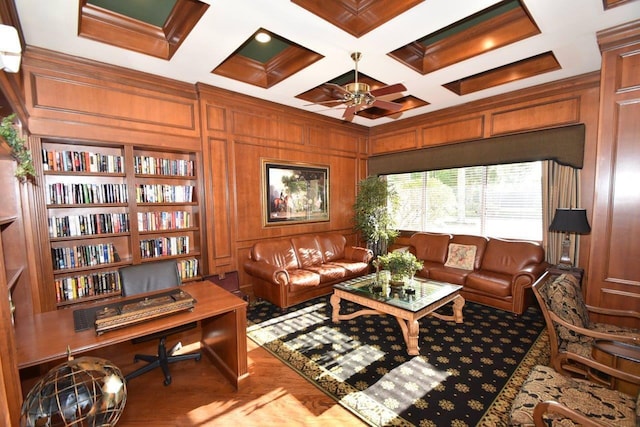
(19, 152)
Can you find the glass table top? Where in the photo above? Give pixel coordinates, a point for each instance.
(412, 297)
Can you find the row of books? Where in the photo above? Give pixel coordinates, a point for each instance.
(71, 288)
(158, 166)
(163, 246)
(151, 221)
(83, 256)
(160, 193)
(81, 161)
(188, 268)
(66, 194)
(86, 225)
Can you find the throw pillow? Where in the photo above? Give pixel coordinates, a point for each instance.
(461, 256)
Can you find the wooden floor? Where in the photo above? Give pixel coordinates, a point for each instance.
(272, 395)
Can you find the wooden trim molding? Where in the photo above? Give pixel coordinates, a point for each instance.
(105, 26)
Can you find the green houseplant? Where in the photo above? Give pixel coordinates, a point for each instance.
(19, 151)
(401, 264)
(375, 207)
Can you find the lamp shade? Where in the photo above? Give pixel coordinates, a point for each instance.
(570, 221)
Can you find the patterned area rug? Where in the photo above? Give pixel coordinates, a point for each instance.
(466, 374)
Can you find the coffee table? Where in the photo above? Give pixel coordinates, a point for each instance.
(408, 304)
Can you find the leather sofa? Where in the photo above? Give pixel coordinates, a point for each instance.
(289, 271)
(494, 272)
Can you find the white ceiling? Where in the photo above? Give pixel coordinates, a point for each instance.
(568, 28)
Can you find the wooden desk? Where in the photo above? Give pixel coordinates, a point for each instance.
(222, 316)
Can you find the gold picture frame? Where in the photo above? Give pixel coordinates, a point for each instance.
(294, 193)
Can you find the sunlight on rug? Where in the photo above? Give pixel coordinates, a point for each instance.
(466, 374)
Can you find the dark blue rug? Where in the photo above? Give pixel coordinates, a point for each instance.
(466, 374)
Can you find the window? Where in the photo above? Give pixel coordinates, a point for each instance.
(496, 201)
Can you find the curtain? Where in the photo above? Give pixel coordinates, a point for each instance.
(560, 189)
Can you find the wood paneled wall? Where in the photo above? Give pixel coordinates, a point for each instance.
(614, 270)
(239, 133)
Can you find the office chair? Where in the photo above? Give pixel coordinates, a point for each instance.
(147, 277)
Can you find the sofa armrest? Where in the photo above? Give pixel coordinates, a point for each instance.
(268, 272)
(356, 253)
(528, 275)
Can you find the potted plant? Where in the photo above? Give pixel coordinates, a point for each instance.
(375, 208)
(19, 151)
(401, 264)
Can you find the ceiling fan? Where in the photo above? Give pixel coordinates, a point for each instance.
(358, 96)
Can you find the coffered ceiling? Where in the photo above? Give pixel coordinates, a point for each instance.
(444, 52)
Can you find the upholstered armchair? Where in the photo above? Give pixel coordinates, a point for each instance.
(571, 331)
(548, 398)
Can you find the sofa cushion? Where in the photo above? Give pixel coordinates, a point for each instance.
(329, 272)
(489, 282)
(449, 275)
(478, 241)
(276, 252)
(352, 268)
(461, 256)
(300, 277)
(307, 250)
(511, 256)
(431, 246)
(332, 246)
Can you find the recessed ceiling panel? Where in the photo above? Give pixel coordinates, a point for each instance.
(265, 64)
(497, 26)
(155, 28)
(523, 69)
(357, 17)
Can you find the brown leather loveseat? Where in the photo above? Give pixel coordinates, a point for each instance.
(494, 272)
(288, 271)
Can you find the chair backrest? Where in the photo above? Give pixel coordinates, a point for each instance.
(150, 276)
(562, 296)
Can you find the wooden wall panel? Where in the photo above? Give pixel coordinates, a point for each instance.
(529, 117)
(93, 101)
(215, 118)
(614, 272)
(335, 140)
(455, 131)
(219, 210)
(271, 128)
(396, 142)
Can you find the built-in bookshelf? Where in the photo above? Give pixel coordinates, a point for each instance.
(111, 205)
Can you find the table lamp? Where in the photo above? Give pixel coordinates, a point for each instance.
(569, 221)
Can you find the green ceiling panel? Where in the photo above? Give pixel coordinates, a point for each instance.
(154, 12)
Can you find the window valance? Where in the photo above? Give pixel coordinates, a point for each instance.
(564, 145)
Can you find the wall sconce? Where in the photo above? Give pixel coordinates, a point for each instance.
(569, 221)
(10, 49)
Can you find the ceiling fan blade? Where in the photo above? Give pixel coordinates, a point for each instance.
(338, 88)
(386, 105)
(387, 90)
(350, 112)
(332, 101)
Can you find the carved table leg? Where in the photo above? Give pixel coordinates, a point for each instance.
(335, 303)
(410, 331)
(458, 303)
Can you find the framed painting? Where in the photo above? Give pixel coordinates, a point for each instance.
(294, 193)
